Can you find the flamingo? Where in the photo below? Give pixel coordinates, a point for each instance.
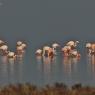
(73, 44)
(55, 46)
(66, 50)
(20, 47)
(91, 48)
(19, 43)
(20, 50)
(38, 52)
(46, 51)
(74, 53)
(24, 45)
(11, 55)
(4, 49)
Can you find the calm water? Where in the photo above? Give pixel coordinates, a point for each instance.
(44, 71)
(42, 22)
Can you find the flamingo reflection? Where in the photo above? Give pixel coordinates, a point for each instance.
(91, 64)
(69, 65)
(47, 68)
(39, 58)
(39, 64)
(20, 71)
(44, 67)
(4, 69)
(4, 59)
(11, 70)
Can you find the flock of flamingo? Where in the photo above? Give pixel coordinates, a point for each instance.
(69, 50)
(20, 49)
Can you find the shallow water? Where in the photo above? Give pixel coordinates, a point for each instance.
(42, 71)
(39, 23)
